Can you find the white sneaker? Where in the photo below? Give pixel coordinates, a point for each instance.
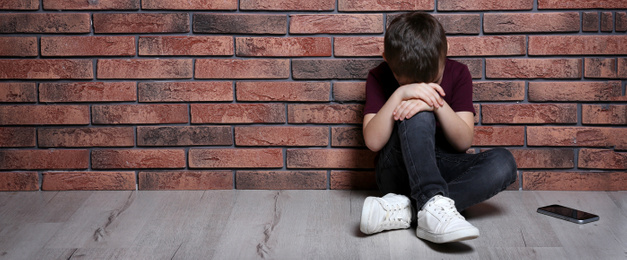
(439, 222)
(392, 211)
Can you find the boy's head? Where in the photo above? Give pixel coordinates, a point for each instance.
(415, 48)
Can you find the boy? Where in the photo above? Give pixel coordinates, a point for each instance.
(419, 117)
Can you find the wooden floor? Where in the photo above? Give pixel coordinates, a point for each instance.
(237, 224)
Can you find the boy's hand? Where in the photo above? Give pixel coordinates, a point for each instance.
(408, 108)
(430, 93)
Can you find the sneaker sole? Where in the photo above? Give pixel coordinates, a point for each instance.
(459, 235)
(366, 214)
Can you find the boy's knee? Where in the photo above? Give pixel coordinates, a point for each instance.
(504, 162)
(421, 119)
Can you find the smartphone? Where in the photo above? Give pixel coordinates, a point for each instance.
(568, 214)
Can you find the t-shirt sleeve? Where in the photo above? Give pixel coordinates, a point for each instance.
(462, 91)
(375, 98)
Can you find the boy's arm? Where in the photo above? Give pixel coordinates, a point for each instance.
(377, 128)
(458, 127)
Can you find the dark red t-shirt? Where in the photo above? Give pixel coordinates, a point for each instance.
(456, 82)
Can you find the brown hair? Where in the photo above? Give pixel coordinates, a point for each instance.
(415, 47)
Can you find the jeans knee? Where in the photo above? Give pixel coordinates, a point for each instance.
(422, 119)
(504, 164)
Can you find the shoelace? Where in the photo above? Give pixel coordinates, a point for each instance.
(446, 214)
(395, 215)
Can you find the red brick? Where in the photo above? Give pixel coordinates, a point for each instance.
(498, 91)
(325, 114)
(530, 22)
(91, 5)
(281, 136)
(19, 181)
(236, 158)
(186, 180)
(529, 113)
(139, 114)
(287, 5)
(384, 5)
(283, 47)
(575, 181)
(487, 46)
(53, 159)
(499, 136)
(242, 69)
(44, 23)
(185, 91)
(452, 23)
(240, 23)
(347, 137)
(86, 137)
(607, 21)
(332, 68)
(590, 22)
(137, 158)
(46, 69)
(17, 136)
(145, 69)
(459, 23)
(18, 46)
(18, 92)
(282, 91)
(588, 4)
(88, 181)
(477, 116)
(622, 68)
(358, 46)
(184, 135)
(602, 159)
(475, 66)
(576, 136)
(604, 114)
(600, 68)
(533, 68)
(237, 113)
(544, 158)
(281, 180)
(575, 91)
(88, 46)
(19, 4)
(353, 180)
(190, 4)
(330, 158)
(44, 115)
(349, 91)
(186, 45)
(87, 92)
(141, 22)
(578, 45)
(621, 21)
(467, 5)
(336, 23)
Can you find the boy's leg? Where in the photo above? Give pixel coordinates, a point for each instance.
(437, 217)
(417, 142)
(391, 211)
(473, 178)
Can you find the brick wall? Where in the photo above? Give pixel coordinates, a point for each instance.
(268, 94)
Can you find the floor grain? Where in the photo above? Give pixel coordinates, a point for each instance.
(239, 224)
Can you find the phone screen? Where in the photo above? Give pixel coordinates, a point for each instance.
(570, 214)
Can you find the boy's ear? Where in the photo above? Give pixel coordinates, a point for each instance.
(383, 54)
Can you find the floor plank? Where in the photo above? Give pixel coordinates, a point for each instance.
(244, 224)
